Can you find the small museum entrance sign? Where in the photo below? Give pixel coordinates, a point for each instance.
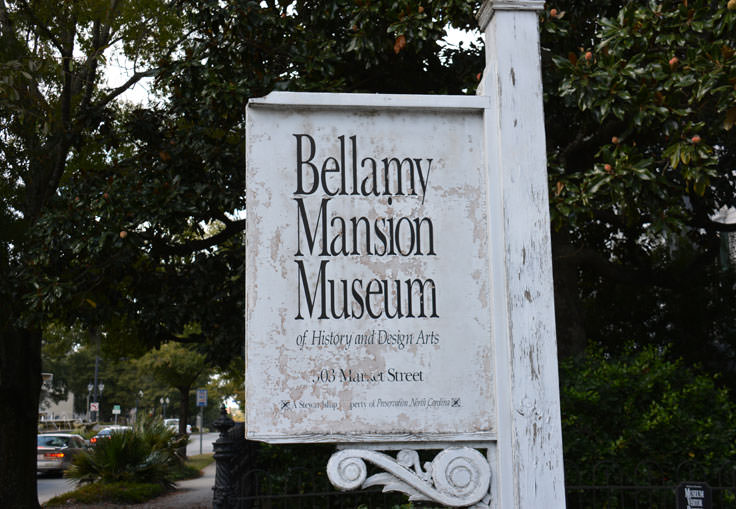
(369, 299)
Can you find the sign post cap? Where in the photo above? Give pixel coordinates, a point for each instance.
(489, 7)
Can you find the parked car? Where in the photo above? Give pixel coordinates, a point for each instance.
(55, 451)
(173, 425)
(107, 433)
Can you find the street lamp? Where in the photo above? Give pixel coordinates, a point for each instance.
(101, 388)
(96, 396)
(138, 397)
(89, 392)
(164, 402)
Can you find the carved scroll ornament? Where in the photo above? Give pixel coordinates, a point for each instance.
(456, 477)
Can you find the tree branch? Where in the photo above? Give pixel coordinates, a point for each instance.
(40, 25)
(125, 86)
(161, 248)
(586, 144)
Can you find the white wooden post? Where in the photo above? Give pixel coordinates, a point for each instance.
(529, 460)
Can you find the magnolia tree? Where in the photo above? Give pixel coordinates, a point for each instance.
(127, 220)
(130, 218)
(640, 102)
(55, 110)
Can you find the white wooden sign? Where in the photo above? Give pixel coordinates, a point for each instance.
(368, 298)
(399, 281)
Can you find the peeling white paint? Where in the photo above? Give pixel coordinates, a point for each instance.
(487, 199)
(529, 454)
(287, 396)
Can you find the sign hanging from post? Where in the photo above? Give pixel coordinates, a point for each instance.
(368, 286)
(201, 397)
(94, 407)
(399, 288)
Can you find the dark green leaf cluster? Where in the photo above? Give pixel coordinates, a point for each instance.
(649, 96)
(640, 100)
(645, 415)
(145, 232)
(148, 454)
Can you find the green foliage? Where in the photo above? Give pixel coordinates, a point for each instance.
(158, 437)
(103, 493)
(62, 357)
(665, 89)
(124, 492)
(148, 454)
(193, 466)
(645, 414)
(639, 108)
(176, 364)
(145, 234)
(130, 218)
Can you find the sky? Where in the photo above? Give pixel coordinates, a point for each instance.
(119, 69)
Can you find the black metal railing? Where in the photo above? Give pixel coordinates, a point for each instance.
(304, 489)
(646, 485)
(247, 478)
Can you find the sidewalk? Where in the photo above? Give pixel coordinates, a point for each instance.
(189, 494)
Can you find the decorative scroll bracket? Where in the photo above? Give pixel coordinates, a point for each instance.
(456, 477)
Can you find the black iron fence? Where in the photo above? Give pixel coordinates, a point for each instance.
(305, 489)
(248, 479)
(646, 485)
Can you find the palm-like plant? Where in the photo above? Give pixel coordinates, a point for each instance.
(148, 454)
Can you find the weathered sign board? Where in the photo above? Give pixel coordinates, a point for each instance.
(368, 304)
(399, 283)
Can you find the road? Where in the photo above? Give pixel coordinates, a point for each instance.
(49, 487)
(207, 440)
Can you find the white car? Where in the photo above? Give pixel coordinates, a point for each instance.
(173, 425)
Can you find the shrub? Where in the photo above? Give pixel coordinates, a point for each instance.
(116, 493)
(652, 418)
(148, 454)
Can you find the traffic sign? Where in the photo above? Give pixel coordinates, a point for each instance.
(201, 397)
(116, 410)
(94, 407)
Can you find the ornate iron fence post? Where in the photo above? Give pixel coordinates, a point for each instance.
(225, 449)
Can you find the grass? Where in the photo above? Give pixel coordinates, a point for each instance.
(199, 461)
(116, 493)
(192, 468)
(128, 492)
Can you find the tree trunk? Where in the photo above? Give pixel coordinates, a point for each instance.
(20, 383)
